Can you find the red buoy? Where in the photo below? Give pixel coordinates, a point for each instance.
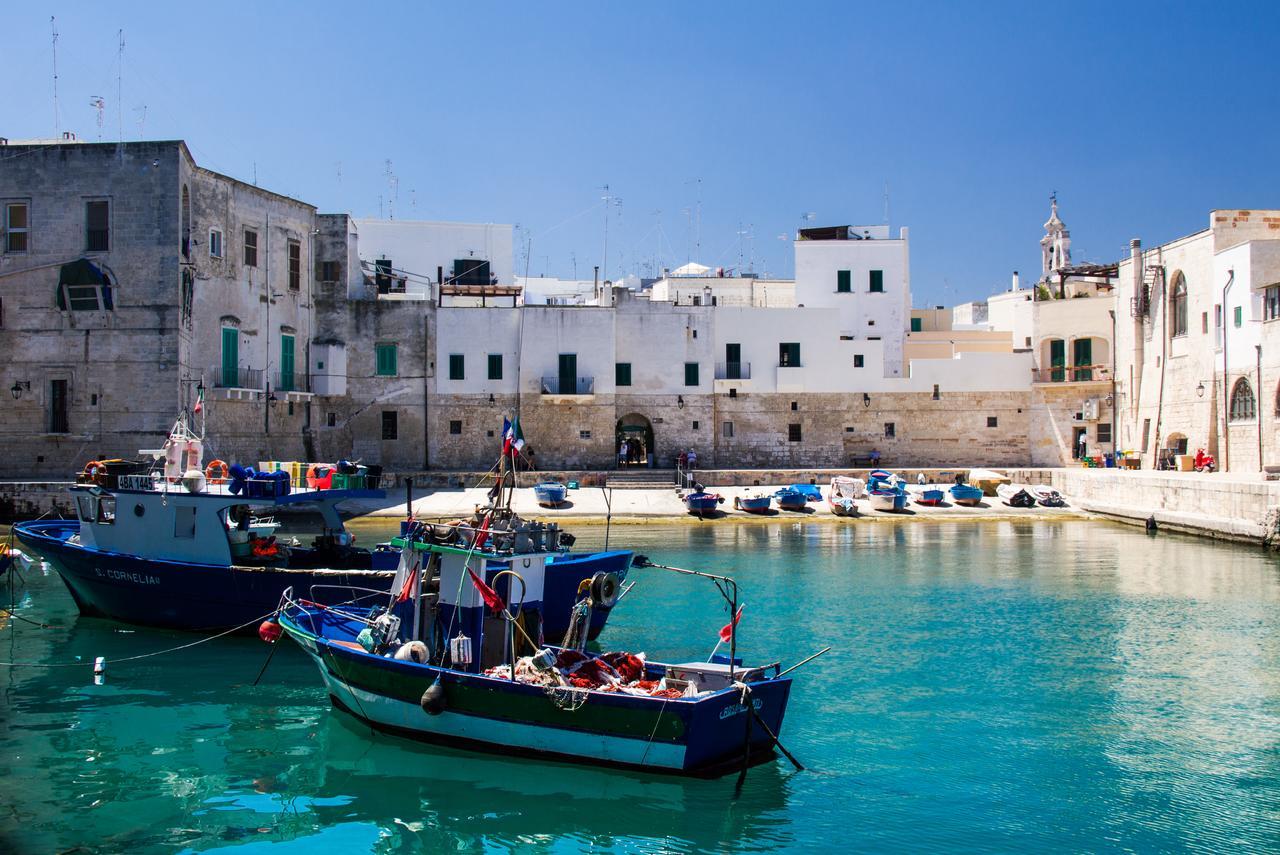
(269, 631)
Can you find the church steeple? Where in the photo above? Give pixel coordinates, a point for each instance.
(1055, 246)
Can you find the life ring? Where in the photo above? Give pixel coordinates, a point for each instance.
(95, 473)
(216, 472)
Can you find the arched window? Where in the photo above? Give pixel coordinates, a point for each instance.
(1178, 305)
(1243, 406)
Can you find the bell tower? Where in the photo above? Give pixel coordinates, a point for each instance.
(1055, 246)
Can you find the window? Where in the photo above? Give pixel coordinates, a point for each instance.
(455, 427)
(691, 374)
(329, 271)
(215, 243)
(288, 382)
(457, 366)
(695, 425)
(795, 405)
(695, 333)
(184, 521)
(107, 510)
(1146, 435)
(1243, 406)
(789, 354)
(495, 366)
(390, 424)
(1204, 322)
(331, 419)
(1270, 303)
(387, 356)
(584, 434)
(877, 281)
(1239, 316)
(697, 301)
(17, 226)
(937, 392)
(230, 358)
(917, 324)
(844, 281)
(58, 400)
(1104, 432)
(622, 374)
(793, 433)
(726, 430)
(846, 338)
(295, 266)
(857, 360)
(97, 222)
(1178, 306)
(871, 322)
(889, 430)
(250, 248)
(993, 421)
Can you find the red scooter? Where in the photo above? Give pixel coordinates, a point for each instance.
(1205, 462)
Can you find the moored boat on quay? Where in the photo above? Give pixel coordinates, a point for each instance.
(700, 502)
(758, 504)
(1047, 496)
(966, 494)
(1015, 496)
(789, 499)
(550, 494)
(842, 495)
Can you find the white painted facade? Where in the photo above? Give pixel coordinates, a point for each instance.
(423, 248)
(724, 291)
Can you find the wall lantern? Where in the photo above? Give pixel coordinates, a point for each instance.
(866, 399)
(491, 398)
(19, 386)
(680, 401)
(1200, 390)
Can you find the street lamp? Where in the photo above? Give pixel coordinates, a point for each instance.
(1200, 390)
(18, 387)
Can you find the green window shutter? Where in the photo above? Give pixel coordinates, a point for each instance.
(844, 281)
(1239, 315)
(691, 374)
(286, 364)
(457, 366)
(916, 324)
(622, 374)
(495, 366)
(1057, 359)
(230, 357)
(387, 360)
(877, 281)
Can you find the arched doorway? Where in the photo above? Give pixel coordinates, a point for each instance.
(633, 442)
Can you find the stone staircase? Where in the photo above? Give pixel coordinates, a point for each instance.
(642, 479)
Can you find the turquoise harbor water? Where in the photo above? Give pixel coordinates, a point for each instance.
(1001, 686)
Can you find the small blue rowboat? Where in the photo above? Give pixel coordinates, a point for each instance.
(791, 500)
(811, 492)
(966, 494)
(702, 503)
(930, 496)
(550, 493)
(753, 504)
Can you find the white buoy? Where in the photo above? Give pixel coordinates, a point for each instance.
(99, 670)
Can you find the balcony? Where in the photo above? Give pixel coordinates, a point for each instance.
(295, 382)
(1072, 374)
(733, 370)
(568, 385)
(240, 378)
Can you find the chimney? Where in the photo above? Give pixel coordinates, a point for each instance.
(1016, 284)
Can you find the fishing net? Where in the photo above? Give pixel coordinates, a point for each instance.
(567, 697)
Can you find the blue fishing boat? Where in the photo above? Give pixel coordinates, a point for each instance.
(931, 496)
(811, 492)
(550, 494)
(966, 494)
(466, 669)
(886, 498)
(753, 504)
(791, 500)
(700, 503)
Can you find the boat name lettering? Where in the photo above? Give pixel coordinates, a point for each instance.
(738, 709)
(123, 576)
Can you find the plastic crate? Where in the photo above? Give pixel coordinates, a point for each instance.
(264, 488)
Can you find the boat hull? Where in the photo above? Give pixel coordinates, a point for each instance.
(963, 494)
(758, 505)
(699, 738)
(701, 504)
(207, 597)
(888, 501)
(550, 495)
(843, 507)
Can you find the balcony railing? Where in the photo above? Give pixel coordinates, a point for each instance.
(240, 378)
(1071, 374)
(568, 385)
(733, 370)
(295, 382)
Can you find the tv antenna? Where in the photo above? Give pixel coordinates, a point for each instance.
(393, 188)
(142, 118)
(119, 86)
(99, 105)
(57, 123)
(886, 203)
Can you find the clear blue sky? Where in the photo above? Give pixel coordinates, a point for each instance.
(1141, 117)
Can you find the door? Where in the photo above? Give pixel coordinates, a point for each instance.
(1076, 448)
(58, 407)
(1058, 360)
(568, 374)
(1082, 358)
(230, 357)
(286, 364)
(733, 361)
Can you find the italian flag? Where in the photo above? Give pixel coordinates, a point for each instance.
(512, 436)
(199, 400)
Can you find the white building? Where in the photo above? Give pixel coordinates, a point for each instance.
(405, 255)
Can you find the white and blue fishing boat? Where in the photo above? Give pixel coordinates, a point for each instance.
(467, 668)
(550, 494)
(930, 496)
(789, 499)
(888, 498)
(966, 494)
(758, 504)
(844, 492)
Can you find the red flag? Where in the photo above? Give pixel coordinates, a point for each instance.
(406, 591)
(726, 631)
(491, 598)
